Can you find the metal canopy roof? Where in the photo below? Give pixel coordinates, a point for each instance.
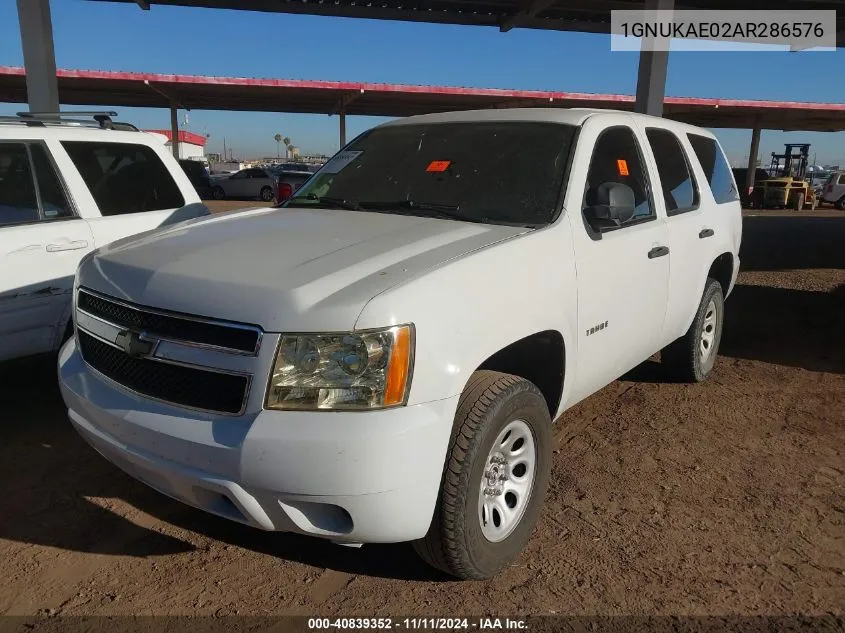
(103, 88)
(590, 16)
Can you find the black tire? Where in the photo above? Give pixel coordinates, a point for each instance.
(840, 204)
(455, 542)
(798, 202)
(217, 192)
(684, 359)
(266, 194)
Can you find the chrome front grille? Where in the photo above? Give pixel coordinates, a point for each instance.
(233, 337)
(121, 341)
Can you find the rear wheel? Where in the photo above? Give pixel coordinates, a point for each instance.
(495, 479)
(798, 202)
(217, 192)
(691, 358)
(840, 204)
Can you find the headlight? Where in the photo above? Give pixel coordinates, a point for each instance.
(353, 370)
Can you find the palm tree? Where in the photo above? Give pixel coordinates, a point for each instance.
(286, 141)
(278, 139)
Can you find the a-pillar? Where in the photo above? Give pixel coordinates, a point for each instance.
(39, 58)
(651, 75)
(752, 155)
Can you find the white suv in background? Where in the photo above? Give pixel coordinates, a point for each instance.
(67, 187)
(382, 359)
(834, 190)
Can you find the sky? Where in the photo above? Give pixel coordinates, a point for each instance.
(180, 40)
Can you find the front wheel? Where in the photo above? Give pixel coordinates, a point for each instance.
(798, 202)
(217, 193)
(495, 479)
(266, 194)
(691, 358)
(840, 204)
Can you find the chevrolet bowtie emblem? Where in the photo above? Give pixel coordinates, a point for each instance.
(132, 344)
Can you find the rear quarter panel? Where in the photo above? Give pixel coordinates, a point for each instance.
(108, 229)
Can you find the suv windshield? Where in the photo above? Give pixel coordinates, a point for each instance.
(503, 172)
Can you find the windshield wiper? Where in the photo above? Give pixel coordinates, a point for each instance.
(448, 211)
(342, 203)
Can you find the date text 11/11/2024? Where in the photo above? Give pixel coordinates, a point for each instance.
(433, 624)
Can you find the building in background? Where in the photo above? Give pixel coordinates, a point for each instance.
(191, 146)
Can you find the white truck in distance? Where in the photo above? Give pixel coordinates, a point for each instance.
(382, 358)
(67, 187)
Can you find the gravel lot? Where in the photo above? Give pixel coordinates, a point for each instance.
(726, 498)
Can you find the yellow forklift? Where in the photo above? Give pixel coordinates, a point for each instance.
(787, 186)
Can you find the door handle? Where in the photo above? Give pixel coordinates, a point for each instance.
(658, 251)
(705, 233)
(67, 246)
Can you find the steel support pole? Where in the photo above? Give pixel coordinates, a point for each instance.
(342, 127)
(174, 129)
(651, 74)
(39, 57)
(752, 154)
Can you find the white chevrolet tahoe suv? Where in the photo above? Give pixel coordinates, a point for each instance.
(381, 359)
(67, 187)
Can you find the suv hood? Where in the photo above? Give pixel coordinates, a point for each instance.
(281, 269)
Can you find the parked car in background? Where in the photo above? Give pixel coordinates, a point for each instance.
(383, 359)
(740, 174)
(298, 167)
(66, 189)
(834, 190)
(199, 177)
(289, 182)
(246, 183)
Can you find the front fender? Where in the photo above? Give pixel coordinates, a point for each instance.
(467, 309)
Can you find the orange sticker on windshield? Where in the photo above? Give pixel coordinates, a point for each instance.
(622, 165)
(438, 165)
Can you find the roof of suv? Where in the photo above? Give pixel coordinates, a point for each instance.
(570, 116)
(99, 126)
(65, 132)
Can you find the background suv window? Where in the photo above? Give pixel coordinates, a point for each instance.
(124, 177)
(715, 167)
(617, 158)
(679, 191)
(18, 202)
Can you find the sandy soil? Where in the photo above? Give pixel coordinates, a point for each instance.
(726, 498)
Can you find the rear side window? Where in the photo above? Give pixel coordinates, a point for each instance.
(18, 202)
(679, 190)
(124, 177)
(715, 167)
(842, 179)
(616, 158)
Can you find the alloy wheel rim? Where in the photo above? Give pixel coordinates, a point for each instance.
(708, 332)
(507, 481)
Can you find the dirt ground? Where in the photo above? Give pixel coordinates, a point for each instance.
(726, 498)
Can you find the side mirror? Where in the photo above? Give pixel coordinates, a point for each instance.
(611, 204)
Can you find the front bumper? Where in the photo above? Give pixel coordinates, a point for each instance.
(358, 477)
